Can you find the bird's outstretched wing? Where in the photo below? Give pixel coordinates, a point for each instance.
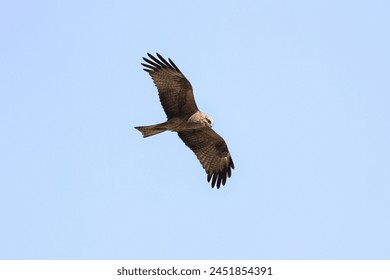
(174, 90)
(212, 152)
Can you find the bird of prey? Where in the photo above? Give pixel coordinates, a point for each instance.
(184, 117)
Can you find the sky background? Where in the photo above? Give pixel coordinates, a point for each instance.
(300, 91)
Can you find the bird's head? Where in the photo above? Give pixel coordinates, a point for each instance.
(199, 120)
(208, 121)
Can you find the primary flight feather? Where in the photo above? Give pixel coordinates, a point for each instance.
(184, 117)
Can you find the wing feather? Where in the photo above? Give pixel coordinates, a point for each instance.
(212, 152)
(175, 91)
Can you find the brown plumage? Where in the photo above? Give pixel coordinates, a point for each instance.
(192, 126)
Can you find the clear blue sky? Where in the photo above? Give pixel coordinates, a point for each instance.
(300, 90)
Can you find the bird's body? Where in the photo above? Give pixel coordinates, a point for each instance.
(184, 117)
(197, 121)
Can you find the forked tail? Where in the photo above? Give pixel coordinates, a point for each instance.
(150, 130)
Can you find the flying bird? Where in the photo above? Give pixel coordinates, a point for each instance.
(184, 117)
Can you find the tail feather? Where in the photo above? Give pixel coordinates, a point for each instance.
(150, 130)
